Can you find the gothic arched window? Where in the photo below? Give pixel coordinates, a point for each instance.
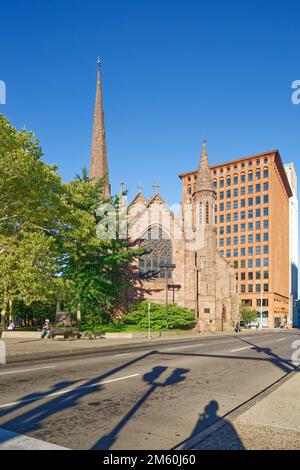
(159, 251)
(207, 212)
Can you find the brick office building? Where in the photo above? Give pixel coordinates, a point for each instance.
(252, 224)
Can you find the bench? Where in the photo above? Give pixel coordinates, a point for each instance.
(66, 333)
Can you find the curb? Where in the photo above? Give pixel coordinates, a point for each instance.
(102, 350)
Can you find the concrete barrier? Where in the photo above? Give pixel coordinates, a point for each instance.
(21, 334)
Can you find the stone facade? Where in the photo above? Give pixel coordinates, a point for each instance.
(201, 280)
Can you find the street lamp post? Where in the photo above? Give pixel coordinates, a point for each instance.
(166, 268)
(261, 309)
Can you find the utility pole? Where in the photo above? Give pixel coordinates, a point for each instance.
(261, 309)
(149, 321)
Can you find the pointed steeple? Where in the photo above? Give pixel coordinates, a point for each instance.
(98, 162)
(204, 180)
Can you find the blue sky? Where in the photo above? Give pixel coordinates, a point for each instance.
(173, 72)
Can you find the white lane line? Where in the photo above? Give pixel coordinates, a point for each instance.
(19, 371)
(68, 390)
(281, 339)
(240, 349)
(184, 347)
(13, 441)
(123, 354)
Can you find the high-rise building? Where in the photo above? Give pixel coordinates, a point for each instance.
(292, 177)
(252, 224)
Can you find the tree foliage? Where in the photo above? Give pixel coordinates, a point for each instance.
(247, 314)
(177, 317)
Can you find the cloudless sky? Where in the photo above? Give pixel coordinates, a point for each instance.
(173, 72)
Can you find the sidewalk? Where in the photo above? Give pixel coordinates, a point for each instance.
(22, 349)
(271, 424)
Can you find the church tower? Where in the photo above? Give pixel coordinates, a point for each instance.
(98, 162)
(204, 198)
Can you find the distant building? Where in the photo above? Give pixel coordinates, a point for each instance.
(252, 223)
(294, 231)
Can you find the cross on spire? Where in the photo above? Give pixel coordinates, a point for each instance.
(140, 188)
(155, 186)
(99, 62)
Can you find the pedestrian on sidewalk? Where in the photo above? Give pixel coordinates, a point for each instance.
(46, 330)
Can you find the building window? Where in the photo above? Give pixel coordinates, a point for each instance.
(243, 178)
(257, 213)
(207, 212)
(235, 216)
(250, 288)
(235, 253)
(228, 217)
(243, 215)
(250, 214)
(250, 276)
(215, 183)
(257, 287)
(207, 310)
(250, 176)
(228, 241)
(221, 219)
(221, 183)
(221, 207)
(221, 230)
(235, 264)
(228, 229)
(243, 227)
(257, 175)
(257, 275)
(243, 276)
(243, 203)
(160, 251)
(235, 179)
(243, 251)
(266, 287)
(228, 205)
(257, 250)
(257, 262)
(236, 240)
(258, 225)
(235, 192)
(266, 224)
(250, 201)
(243, 239)
(266, 173)
(266, 249)
(228, 193)
(243, 288)
(243, 263)
(266, 211)
(265, 302)
(235, 228)
(257, 200)
(235, 204)
(266, 186)
(266, 199)
(221, 242)
(228, 253)
(257, 188)
(250, 263)
(243, 191)
(250, 226)
(221, 194)
(228, 181)
(266, 274)
(250, 238)
(266, 262)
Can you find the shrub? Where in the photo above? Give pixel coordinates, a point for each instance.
(178, 317)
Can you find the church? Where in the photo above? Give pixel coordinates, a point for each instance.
(182, 264)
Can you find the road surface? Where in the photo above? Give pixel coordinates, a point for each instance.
(139, 399)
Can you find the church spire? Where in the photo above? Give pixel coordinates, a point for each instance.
(98, 162)
(204, 180)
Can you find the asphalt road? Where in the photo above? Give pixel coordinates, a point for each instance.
(145, 399)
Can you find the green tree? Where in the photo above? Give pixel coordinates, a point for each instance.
(178, 317)
(32, 204)
(247, 314)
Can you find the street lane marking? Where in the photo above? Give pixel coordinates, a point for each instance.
(184, 347)
(281, 339)
(123, 354)
(19, 371)
(62, 392)
(240, 349)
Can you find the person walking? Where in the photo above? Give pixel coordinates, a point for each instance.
(46, 330)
